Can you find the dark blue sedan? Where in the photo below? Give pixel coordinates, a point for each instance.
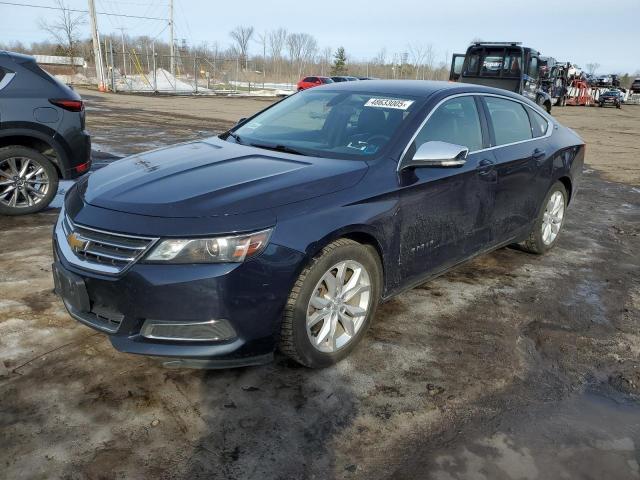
(288, 230)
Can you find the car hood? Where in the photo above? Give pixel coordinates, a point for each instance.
(214, 178)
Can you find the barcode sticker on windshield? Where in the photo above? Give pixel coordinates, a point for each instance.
(389, 103)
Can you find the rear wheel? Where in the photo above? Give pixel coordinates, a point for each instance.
(331, 304)
(548, 225)
(28, 181)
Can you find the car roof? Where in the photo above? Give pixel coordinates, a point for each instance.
(417, 88)
(19, 57)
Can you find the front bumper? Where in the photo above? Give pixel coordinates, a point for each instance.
(250, 296)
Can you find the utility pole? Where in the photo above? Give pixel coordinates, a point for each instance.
(124, 52)
(113, 70)
(97, 50)
(171, 40)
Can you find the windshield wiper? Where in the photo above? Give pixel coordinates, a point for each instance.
(235, 136)
(278, 148)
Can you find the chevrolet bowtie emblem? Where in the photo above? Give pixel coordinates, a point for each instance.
(76, 242)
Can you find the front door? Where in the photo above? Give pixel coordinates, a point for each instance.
(445, 210)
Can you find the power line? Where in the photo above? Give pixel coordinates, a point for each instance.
(80, 11)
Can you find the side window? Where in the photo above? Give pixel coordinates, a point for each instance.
(511, 67)
(539, 124)
(312, 79)
(455, 121)
(509, 119)
(533, 67)
(472, 65)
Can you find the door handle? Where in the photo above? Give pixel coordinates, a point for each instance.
(485, 166)
(538, 153)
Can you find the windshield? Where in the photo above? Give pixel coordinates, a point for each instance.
(328, 123)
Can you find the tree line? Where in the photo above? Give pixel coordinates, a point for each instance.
(276, 55)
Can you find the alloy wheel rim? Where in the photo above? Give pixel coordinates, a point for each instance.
(552, 218)
(338, 306)
(23, 182)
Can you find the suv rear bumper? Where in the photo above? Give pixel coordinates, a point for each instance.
(78, 155)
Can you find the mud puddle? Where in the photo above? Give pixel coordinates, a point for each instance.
(589, 435)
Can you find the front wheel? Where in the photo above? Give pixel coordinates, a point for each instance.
(548, 225)
(331, 304)
(28, 181)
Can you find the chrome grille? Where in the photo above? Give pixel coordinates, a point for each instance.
(103, 251)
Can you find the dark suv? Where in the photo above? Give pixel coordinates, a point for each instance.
(42, 135)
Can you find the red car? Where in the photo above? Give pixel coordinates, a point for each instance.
(308, 82)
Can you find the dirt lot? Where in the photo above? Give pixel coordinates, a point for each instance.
(512, 366)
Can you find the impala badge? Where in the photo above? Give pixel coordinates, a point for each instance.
(76, 242)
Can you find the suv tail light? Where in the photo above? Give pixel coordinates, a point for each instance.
(71, 105)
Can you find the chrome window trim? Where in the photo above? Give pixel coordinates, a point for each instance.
(470, 94)
(6, 79)
(67, 253)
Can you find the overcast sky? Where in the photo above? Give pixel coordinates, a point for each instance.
(582, 32)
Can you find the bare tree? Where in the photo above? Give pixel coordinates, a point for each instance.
(380, 58)
(64, 28)
(277, 40)
(302, 48)
(592, 68)
(325, 60)
(242, 35)
(417, 54)
(262, 40)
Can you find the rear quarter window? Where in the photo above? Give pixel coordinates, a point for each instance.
(539, 124)
(35, 68)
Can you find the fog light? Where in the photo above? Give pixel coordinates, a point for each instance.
(206, 331)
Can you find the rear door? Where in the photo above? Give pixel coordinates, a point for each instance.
(520, 152)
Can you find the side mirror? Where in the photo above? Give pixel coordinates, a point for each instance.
(437, 154)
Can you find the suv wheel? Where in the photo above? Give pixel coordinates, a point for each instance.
(331, 304)
(28, 181)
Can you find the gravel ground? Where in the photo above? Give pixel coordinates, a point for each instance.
(511, 366)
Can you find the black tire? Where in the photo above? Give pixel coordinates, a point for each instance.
(49, 169)
(294, 340)
(535, 244)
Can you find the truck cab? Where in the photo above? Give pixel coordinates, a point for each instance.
(506, 65)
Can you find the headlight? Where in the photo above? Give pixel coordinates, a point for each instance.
(233, 249)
